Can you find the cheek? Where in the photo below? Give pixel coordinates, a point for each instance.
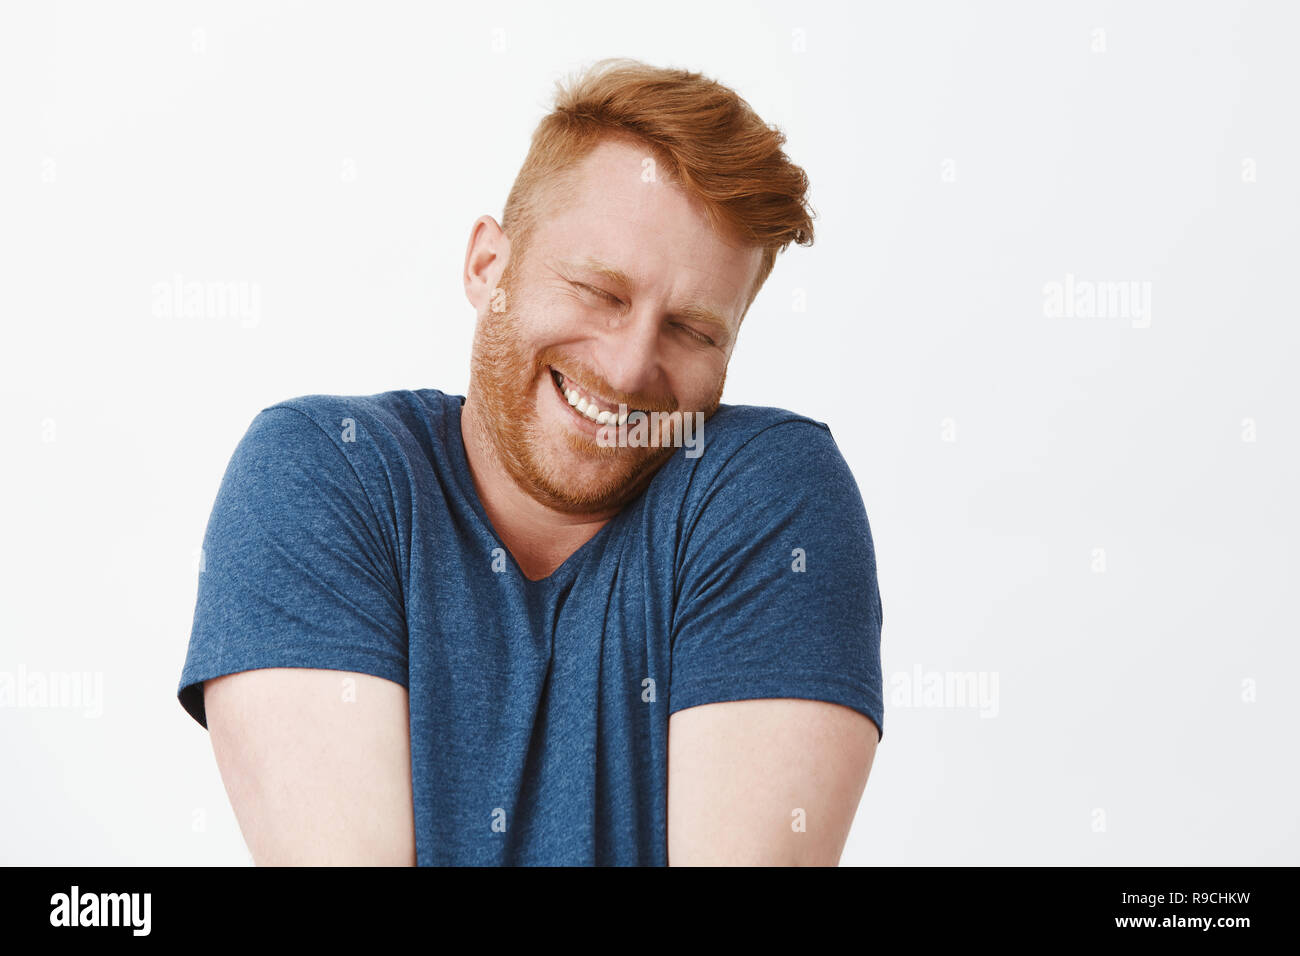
(556, 318)
(697, 387)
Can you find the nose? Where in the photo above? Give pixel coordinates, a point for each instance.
(629, 355)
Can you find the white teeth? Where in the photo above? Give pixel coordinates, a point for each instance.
(590, 409)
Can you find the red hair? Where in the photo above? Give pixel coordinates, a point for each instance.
(707, 140)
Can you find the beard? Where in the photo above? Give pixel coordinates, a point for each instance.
(568, 472)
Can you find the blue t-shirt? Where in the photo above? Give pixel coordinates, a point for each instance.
(347, 534)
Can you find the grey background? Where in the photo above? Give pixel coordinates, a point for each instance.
(333, 157)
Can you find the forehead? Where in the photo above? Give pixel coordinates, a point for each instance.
(620, 208)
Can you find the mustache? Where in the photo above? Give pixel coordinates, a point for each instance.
(593, 380)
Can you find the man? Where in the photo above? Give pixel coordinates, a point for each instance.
(503, 629)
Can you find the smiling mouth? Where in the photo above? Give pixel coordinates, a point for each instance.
(586, 404)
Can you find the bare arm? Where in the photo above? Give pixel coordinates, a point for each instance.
(744, 776)
(315, 778)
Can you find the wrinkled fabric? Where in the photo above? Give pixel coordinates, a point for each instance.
(347, 534)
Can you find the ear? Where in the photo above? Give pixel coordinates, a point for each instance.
(485, 260)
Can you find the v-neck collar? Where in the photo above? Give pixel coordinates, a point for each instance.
(465, 478)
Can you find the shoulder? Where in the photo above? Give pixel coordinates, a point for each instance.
(762, 445)
(398, 413)
(734, 426)
(326, 445)
(756, 463)
(405, 425)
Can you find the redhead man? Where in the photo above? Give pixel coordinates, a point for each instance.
(585, 614)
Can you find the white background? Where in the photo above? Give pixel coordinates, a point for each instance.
(334, 157)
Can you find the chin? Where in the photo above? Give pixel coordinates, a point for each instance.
(576, 480)
(576, 474)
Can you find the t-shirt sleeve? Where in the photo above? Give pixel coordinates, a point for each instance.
(296, 570)
(778, 593)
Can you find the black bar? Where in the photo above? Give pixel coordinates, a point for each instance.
(929, 904)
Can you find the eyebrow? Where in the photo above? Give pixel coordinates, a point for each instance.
(694, 311)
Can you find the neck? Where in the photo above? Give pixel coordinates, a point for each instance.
(538, 537)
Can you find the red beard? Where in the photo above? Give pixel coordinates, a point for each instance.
(504, 383)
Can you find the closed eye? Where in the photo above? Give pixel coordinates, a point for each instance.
(698, 336)
(599, 292)
(615, 300)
